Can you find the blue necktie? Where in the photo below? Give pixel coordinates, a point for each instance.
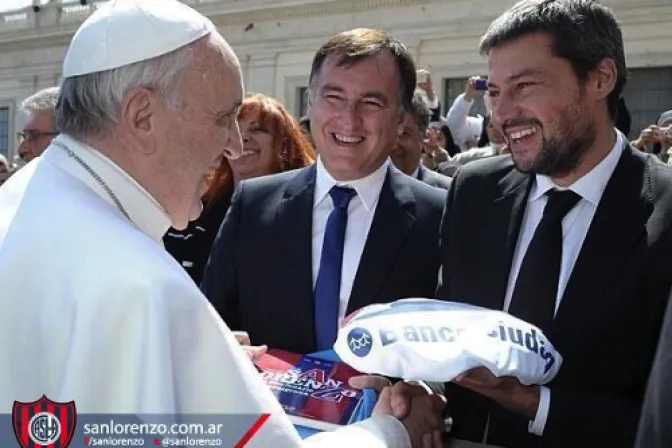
(328, 285)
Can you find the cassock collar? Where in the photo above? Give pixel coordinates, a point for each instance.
(145, 212)
(367, 188)
(591, 186)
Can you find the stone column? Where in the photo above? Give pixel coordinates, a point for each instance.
(261, 73)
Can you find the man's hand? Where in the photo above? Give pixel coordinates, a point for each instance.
(651, 134)
(507, 391)
(433, 148)
(470, 91)
(420, 412)
(244, 340)
(425, 423)
(425, 83)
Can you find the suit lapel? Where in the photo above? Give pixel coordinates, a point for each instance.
(503, 229)
(619, 223)
(394, 218)
(294, 218)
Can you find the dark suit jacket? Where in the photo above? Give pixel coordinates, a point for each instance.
(655, 430)
(609, 318)
(259, 277)
(432, 178)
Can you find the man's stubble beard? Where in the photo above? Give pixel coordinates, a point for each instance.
(563, 151)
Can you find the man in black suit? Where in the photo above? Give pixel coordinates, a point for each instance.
(302, 249)
(571, 234)
(408, 147)
(271, 268)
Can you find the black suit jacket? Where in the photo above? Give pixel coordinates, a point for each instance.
(259, 277)
(609, 318)
(432, 178)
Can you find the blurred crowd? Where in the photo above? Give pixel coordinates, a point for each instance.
(432, 142)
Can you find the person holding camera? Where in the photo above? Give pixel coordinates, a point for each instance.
(465, 129)
(426, 86)
(657, 138)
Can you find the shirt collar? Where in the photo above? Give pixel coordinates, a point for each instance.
(415, 174)
(591, 186)
(145, 212)
(367, 188)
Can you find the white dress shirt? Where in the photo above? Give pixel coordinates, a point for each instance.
(361, 210)
(574, 229)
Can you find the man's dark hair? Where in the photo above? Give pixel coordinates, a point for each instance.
(354, 45)
(583, 32)
(420, 112)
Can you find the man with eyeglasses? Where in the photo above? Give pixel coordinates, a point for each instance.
(40, 127)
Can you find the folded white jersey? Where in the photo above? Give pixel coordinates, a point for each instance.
(434, 340)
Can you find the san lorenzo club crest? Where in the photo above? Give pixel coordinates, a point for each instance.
(44, 423)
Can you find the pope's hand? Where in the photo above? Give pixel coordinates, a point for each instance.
(253, 352)
(420, 412)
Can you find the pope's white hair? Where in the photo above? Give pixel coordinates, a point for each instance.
(42, 101)
(89, 105)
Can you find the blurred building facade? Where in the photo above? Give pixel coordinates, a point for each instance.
(275, 41)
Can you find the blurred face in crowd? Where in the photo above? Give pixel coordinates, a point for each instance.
(540, 106)
(37, 134)
(259, 155)
(408, 147)
(355, 114)
(435, 137)
(196, 138)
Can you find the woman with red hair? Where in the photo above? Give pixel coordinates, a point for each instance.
(272, 143)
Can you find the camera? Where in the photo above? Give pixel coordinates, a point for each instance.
(481, 84)
(422, 75)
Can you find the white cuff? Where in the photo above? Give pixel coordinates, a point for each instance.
(432, 388)
(434, 103)
(537, 426)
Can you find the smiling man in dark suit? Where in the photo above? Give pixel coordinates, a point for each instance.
(572, 233)
(287, 263)
(302, 249)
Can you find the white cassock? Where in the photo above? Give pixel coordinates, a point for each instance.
(93, 309)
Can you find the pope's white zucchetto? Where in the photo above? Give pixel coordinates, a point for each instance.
(123, 32)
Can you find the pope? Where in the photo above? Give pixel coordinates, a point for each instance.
(93, 309)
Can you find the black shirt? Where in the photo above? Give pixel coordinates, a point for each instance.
(191, 246)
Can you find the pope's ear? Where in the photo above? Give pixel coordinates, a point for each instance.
(137, 111)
